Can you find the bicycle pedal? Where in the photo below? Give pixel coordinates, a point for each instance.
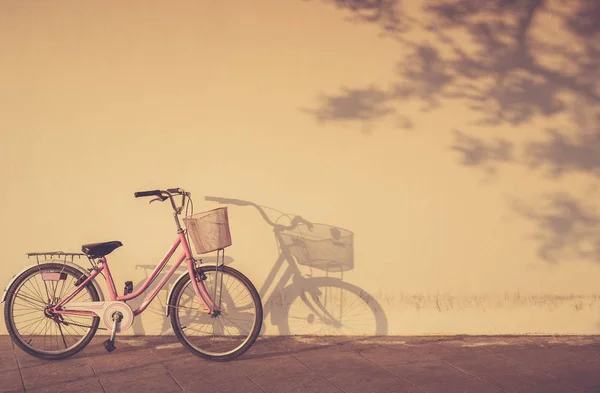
(109, 346)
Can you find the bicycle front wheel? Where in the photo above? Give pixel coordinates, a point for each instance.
(230, 332)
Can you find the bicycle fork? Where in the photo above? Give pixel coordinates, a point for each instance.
(197, 278)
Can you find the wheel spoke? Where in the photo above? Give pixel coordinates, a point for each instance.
(61, 334)
(30, 300)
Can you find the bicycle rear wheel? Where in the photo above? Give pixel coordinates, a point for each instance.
(34, 330)
(233, 330)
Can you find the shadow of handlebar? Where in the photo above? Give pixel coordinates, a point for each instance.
(229, 201)
(297, 220)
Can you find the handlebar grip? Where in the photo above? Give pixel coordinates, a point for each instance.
(147, 193)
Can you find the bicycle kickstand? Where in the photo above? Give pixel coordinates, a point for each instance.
(109, 344)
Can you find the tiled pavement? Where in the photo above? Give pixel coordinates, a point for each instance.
(318, 364)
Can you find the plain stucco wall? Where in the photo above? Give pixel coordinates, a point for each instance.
(463, 156)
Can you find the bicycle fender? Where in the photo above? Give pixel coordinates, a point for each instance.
(181, 277)
(79, 268)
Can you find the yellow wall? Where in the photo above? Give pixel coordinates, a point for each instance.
(464, 157)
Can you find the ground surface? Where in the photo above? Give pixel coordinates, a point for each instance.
(311, 364)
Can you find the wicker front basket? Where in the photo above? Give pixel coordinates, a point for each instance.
(209, 230)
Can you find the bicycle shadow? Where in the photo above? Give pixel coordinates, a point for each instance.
(155, 313)
(314, 302)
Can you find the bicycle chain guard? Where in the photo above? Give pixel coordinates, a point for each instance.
(105, 311)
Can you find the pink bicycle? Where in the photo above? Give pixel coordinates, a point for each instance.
(54, 307)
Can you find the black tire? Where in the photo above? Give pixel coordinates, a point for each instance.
(17, 292)
(351, 310)
(225, 274)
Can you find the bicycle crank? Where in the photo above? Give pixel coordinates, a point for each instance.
(109, 344)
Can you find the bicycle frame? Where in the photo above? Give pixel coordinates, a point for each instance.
(103, 269)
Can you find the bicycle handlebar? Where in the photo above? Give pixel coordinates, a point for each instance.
(297, 220)
(163, 195)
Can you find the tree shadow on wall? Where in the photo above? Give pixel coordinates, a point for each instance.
(484, 154)
(567, 228)
(510, 62)
(310, 297)
(564, 152)
(486, 54)
(385, 13)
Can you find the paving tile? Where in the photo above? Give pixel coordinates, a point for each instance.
(445, 352)
(371, 381)
(149, 378)
(8, 361)
(589, 354)
(87, 385)
(509, 375)
(395, 354)
(263, 350)
(275, 370)
(578, 373)
(5, 343)
(298, 383)
(528, 381)
(586, 348)
(26, 360)
(297, 345)
(68, 370)
(123, 358)
(198, 375)
(540, 358)
(436, 376)
(10, 381)
(169, 349)
(352, 372)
